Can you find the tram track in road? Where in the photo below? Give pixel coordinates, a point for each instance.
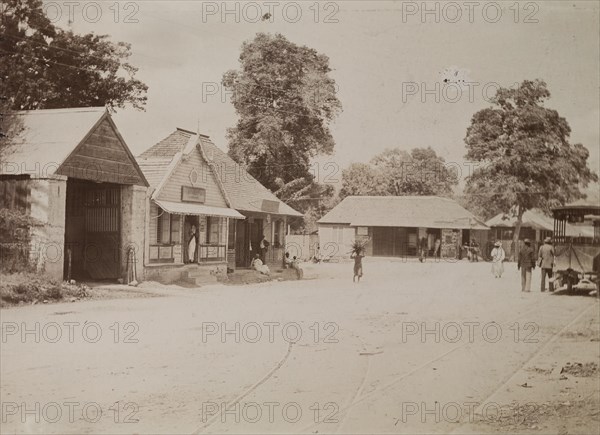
(344, 413)
(357, 396)
(541, 349)
(363, 382)
(248, 391)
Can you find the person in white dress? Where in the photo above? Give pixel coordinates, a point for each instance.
(498, 256)
(192, 244)
(258, 265)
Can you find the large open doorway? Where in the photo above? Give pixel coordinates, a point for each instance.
(92, 230)
(247, 243)
(394, 241)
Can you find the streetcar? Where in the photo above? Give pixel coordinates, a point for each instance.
(577, 247)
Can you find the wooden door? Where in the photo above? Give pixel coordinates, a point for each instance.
(242, 244)
(102, 213)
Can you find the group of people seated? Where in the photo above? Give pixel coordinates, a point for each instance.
(289, 263)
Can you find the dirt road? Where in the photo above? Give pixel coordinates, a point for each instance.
(413, 348)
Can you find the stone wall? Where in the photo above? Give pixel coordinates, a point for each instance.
(133, 227)
(48, 206)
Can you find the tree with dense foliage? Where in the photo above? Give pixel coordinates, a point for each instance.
(526, 160)
(285, 101)
(396, 172)
(362, 179)
(422, 172)
(45, 67)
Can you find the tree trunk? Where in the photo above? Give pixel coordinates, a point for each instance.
(515, 250)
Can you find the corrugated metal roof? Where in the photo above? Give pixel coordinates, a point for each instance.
(531, 219)
(241, 190)
(198, 209)
(402, 211)
(47, 138)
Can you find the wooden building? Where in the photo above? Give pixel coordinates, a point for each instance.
(195, 184)
(536, 226)
(72, 172)
(394, 225)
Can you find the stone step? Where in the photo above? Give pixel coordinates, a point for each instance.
(200, 281)
(204, 280)
(198, 273)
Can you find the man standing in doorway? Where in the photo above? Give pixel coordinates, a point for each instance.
(526, 264)
(546, 262)
(264, 246)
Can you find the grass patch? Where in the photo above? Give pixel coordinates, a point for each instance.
(29, 288)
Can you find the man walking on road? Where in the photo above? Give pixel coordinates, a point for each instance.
(526, 264)
(546, 261)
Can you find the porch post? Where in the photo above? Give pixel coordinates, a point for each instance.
(284, 235)
(226, 240)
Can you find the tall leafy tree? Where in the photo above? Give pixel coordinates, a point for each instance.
(285, 101)
(526, 159)
(398, 172)
(362, 179)
(420, 172)
(44, 66)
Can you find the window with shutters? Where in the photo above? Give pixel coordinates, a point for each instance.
(216, 243)
(167, 234)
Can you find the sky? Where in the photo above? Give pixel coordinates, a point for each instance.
(386, 57)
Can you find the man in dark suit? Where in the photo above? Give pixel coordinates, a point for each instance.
(526, 264)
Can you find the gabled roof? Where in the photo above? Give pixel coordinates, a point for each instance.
(169, 146)
(402, 211)
(534, 219)
(159, 161)
(241, 190)
(47, 138)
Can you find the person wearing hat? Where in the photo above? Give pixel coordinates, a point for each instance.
(498, 256)
(526, 264)
(546, 262)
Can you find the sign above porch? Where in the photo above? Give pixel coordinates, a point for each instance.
(270, 206)
(197, 209)
(193, 194)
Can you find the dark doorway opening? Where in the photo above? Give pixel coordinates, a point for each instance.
(92, 230)
(247, 244)
(466, 237)
(433, 234)
(394, 241)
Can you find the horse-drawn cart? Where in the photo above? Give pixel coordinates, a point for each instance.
(577, 246)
